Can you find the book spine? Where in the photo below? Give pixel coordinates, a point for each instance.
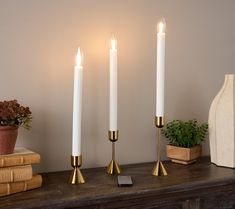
(16, 174)
(15, 187)
(28, 159)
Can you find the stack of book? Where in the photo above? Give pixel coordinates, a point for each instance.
(16, 173)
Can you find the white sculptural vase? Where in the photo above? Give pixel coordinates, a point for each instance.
(222, 125)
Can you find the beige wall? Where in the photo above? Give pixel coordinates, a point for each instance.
(38, 41)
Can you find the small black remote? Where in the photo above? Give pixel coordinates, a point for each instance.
(124, 181)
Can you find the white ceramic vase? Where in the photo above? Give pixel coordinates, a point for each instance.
(222, 125)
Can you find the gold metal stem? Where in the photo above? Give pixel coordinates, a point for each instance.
(159, 169)
(113, 167)
(159, 144)
(113, 150)
(76, 176)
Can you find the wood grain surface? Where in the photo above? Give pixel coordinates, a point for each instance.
(198, 186)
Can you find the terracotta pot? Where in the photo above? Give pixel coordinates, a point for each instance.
(8, 136)
(183, 155)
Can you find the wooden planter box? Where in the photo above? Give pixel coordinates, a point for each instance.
(183, 155)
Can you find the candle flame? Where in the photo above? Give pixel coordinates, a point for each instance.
(79, 58)
(161, 27)
(113, 43)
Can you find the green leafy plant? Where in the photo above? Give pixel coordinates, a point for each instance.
(13, 114)
(185, 133)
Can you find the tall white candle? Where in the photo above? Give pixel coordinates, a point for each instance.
(113, 86)
(160, 70)
(77, 105)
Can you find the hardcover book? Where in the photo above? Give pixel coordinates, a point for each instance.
(21, 156)
(15, 187)
(16, 173)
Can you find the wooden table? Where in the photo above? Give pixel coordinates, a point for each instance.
(198, 186)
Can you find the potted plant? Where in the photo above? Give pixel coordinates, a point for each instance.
(12, 116)
(185, 139)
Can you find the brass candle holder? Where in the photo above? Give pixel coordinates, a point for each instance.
(159, 169)
(76, 176)
(113, 167)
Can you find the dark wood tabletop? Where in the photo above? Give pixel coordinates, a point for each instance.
(202, 185)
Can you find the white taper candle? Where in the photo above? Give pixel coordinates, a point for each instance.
(77, 105)
(160, 70)
(113, 86)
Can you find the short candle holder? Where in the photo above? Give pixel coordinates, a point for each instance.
(159, 169)
(113, 167)
(76, 176)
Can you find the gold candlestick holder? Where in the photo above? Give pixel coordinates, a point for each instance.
(159, 169)
(76, 176)
(113, 167)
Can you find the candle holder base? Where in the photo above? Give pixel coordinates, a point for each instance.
(159, 169)
(76, 176)
(113, 167)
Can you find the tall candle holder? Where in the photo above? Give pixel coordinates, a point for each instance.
(76, 176)
(159, 169)
(113, 167)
